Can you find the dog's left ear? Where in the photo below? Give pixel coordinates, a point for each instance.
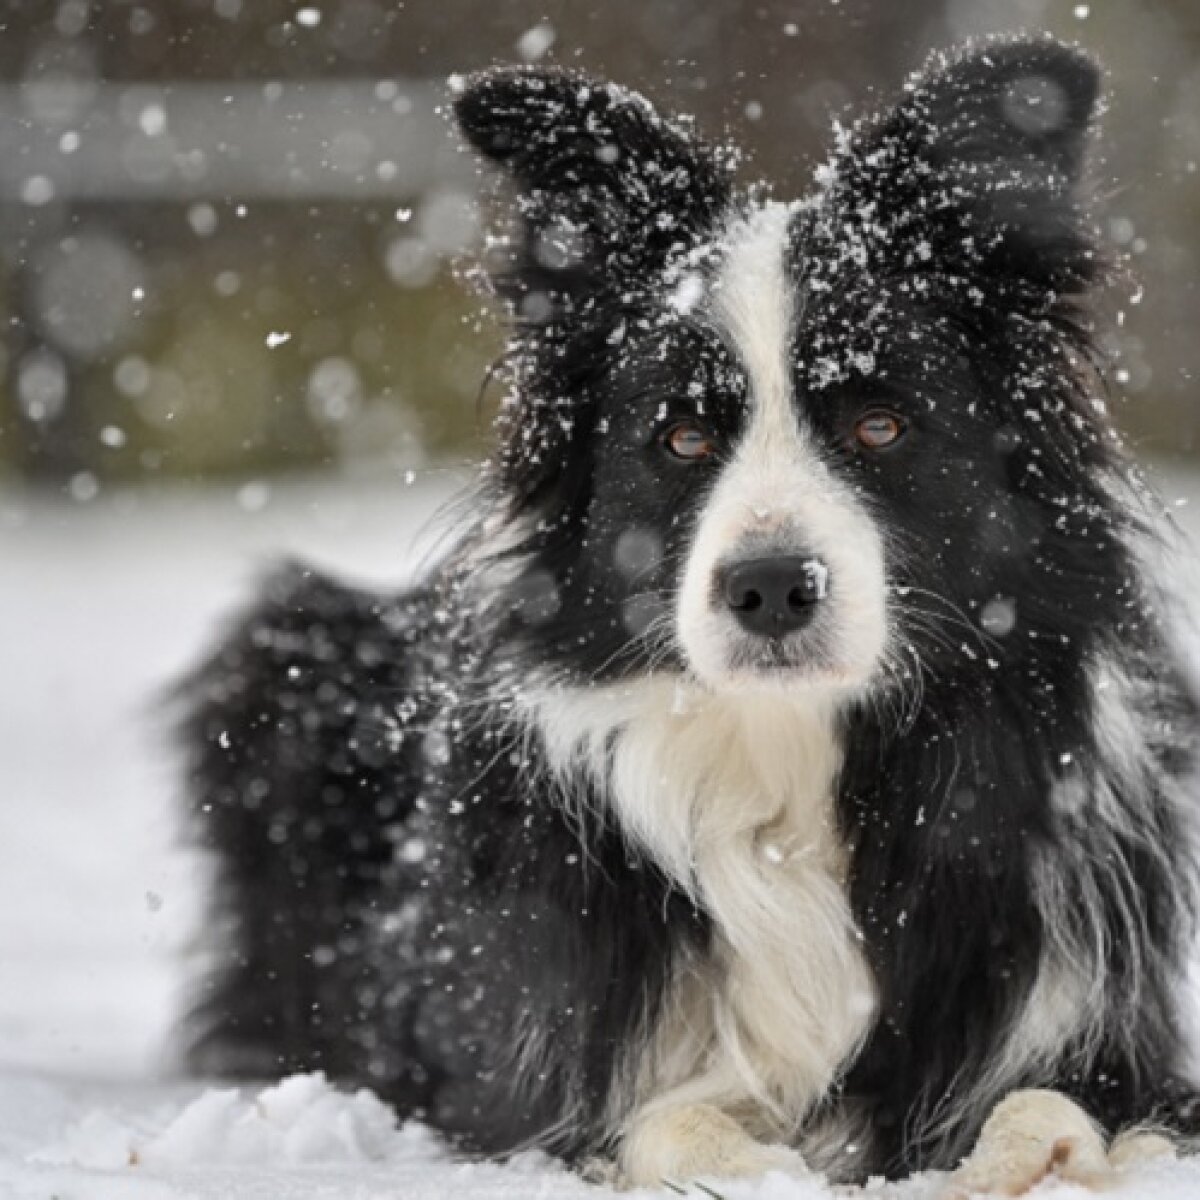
(978, 168)
(607, 189)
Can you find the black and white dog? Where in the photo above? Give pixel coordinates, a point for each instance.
(788, 764)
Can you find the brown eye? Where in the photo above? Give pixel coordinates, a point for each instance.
(688, 441)
(878, 429)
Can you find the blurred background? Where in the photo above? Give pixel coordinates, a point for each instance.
(228, 227)
(230, 232)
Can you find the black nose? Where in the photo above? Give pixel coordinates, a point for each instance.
(775, 596)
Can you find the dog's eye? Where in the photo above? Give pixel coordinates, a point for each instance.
(688, 441)
(878, 429)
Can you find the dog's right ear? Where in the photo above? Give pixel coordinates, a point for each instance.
(608, 191)
(978, 170)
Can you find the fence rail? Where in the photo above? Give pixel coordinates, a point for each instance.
(343, 139)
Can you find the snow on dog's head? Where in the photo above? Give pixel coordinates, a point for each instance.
(758, 443)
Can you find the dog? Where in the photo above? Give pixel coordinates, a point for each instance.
(788, 764)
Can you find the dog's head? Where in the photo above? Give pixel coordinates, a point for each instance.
(794, 444)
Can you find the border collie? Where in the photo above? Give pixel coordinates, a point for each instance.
(788, 765)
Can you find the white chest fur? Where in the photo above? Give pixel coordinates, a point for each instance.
(732, 797)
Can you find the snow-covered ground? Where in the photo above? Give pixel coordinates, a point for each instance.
(100, 606)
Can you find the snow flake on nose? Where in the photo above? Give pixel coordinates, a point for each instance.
(818, 574)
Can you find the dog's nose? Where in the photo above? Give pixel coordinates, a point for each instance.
(775, 596)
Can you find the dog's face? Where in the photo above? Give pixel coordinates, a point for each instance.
(720, 493)
(801, 445)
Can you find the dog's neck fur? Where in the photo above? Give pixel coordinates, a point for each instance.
(732, 796)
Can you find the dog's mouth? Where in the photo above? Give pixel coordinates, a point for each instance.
(796, 662)
(775, 656)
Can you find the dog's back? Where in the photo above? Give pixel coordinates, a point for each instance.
(294, 779)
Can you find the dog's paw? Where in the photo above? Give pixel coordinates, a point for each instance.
(1134, 1146)
(1029, 1136)
(679, 1145)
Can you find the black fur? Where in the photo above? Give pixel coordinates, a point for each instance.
(404, 900)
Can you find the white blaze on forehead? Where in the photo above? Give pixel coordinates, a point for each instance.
(753, 300)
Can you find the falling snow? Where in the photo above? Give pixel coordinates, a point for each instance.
(85, 1089)
(87, 1102)
(536, 41)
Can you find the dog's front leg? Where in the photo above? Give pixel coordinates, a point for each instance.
(694, 1141)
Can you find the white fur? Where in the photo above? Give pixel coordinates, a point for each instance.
(777, 496)
(732, 797)
(1081, 957)
(1031, 1135)
(1140, 1145)
(679, 1145)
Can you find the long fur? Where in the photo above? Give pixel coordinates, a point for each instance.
(557, 851)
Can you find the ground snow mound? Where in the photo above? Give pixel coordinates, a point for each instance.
(303, 1119)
